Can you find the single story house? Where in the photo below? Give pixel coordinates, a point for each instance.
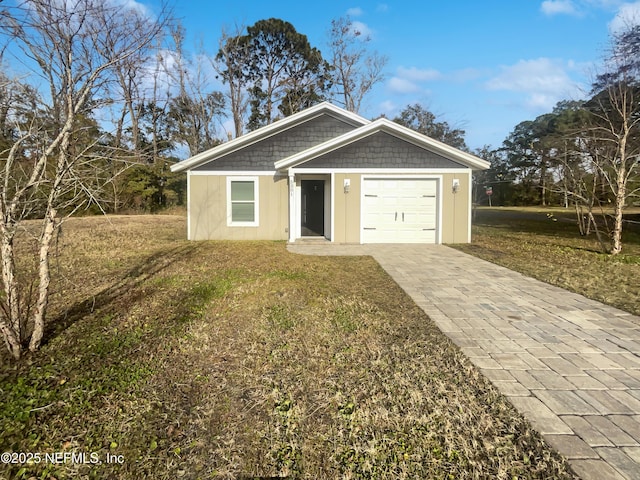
(327, 172)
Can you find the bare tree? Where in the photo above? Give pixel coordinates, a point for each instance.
(230, 63)
(613, 132)
(73, 47)
(614, 127)
(194, 112)
(355, 71)
(131, 88)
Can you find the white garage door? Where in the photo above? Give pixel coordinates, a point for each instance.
(402, 210)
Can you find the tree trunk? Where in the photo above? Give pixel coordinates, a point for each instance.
(10, 326)
(237, 123)
(11, 340)
(543, 185)
(11, 283)
(116, 197)
(621, 193)
(45, 279)
(580, 219)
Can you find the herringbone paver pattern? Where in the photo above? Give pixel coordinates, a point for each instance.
(571, 365)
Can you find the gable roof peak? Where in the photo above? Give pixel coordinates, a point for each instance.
(386, 126)
(266, 131)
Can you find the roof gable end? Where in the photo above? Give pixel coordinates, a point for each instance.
(387, 126)
(267, 131)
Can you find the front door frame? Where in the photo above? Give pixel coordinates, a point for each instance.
(295, 204)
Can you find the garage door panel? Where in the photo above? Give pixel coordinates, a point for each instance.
(400, 210)
(380, 220)
(418, 204)
(374, 236)
(418, 221)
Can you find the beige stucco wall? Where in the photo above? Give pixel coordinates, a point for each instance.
(454, 223)
(208, 209)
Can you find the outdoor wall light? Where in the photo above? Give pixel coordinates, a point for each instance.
(347, 185)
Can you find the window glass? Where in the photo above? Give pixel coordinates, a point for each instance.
(242, 191)
(243, 204)
(242, 212)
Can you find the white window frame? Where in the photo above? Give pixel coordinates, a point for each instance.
(256, 198)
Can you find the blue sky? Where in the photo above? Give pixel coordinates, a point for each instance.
(483, 66)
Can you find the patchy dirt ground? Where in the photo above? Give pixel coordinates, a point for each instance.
(174, 359)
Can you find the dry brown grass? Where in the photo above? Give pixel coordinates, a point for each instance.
(241, 360)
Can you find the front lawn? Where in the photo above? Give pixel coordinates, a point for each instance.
(174, 359)
(545, 244)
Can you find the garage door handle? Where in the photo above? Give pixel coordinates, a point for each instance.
(403, 216)
(396, 216)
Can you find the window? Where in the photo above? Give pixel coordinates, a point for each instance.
(242, 201)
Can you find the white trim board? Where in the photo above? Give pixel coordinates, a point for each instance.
(380, 171)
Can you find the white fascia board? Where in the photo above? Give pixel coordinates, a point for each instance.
(392, 128)
(330, 107)
(209, 154)
(379, 171)
(224, 173)
(266, 131)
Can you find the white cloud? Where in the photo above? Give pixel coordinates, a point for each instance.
(604, 4)
(413, 79)
(355, 12)
(402, 85)
(409, 80)
(556, 7)
(361, 29)
(542, 74)
(133, 5)
(419, 75)
(465, 75)
(628, 15)
(382, 7)
(543, 81)
(541, 101)
(127, 6)
(388, 107)
(579, 8)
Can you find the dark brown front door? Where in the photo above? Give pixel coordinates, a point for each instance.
(312, 207)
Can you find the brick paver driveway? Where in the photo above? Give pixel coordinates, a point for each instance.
(571, 365)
